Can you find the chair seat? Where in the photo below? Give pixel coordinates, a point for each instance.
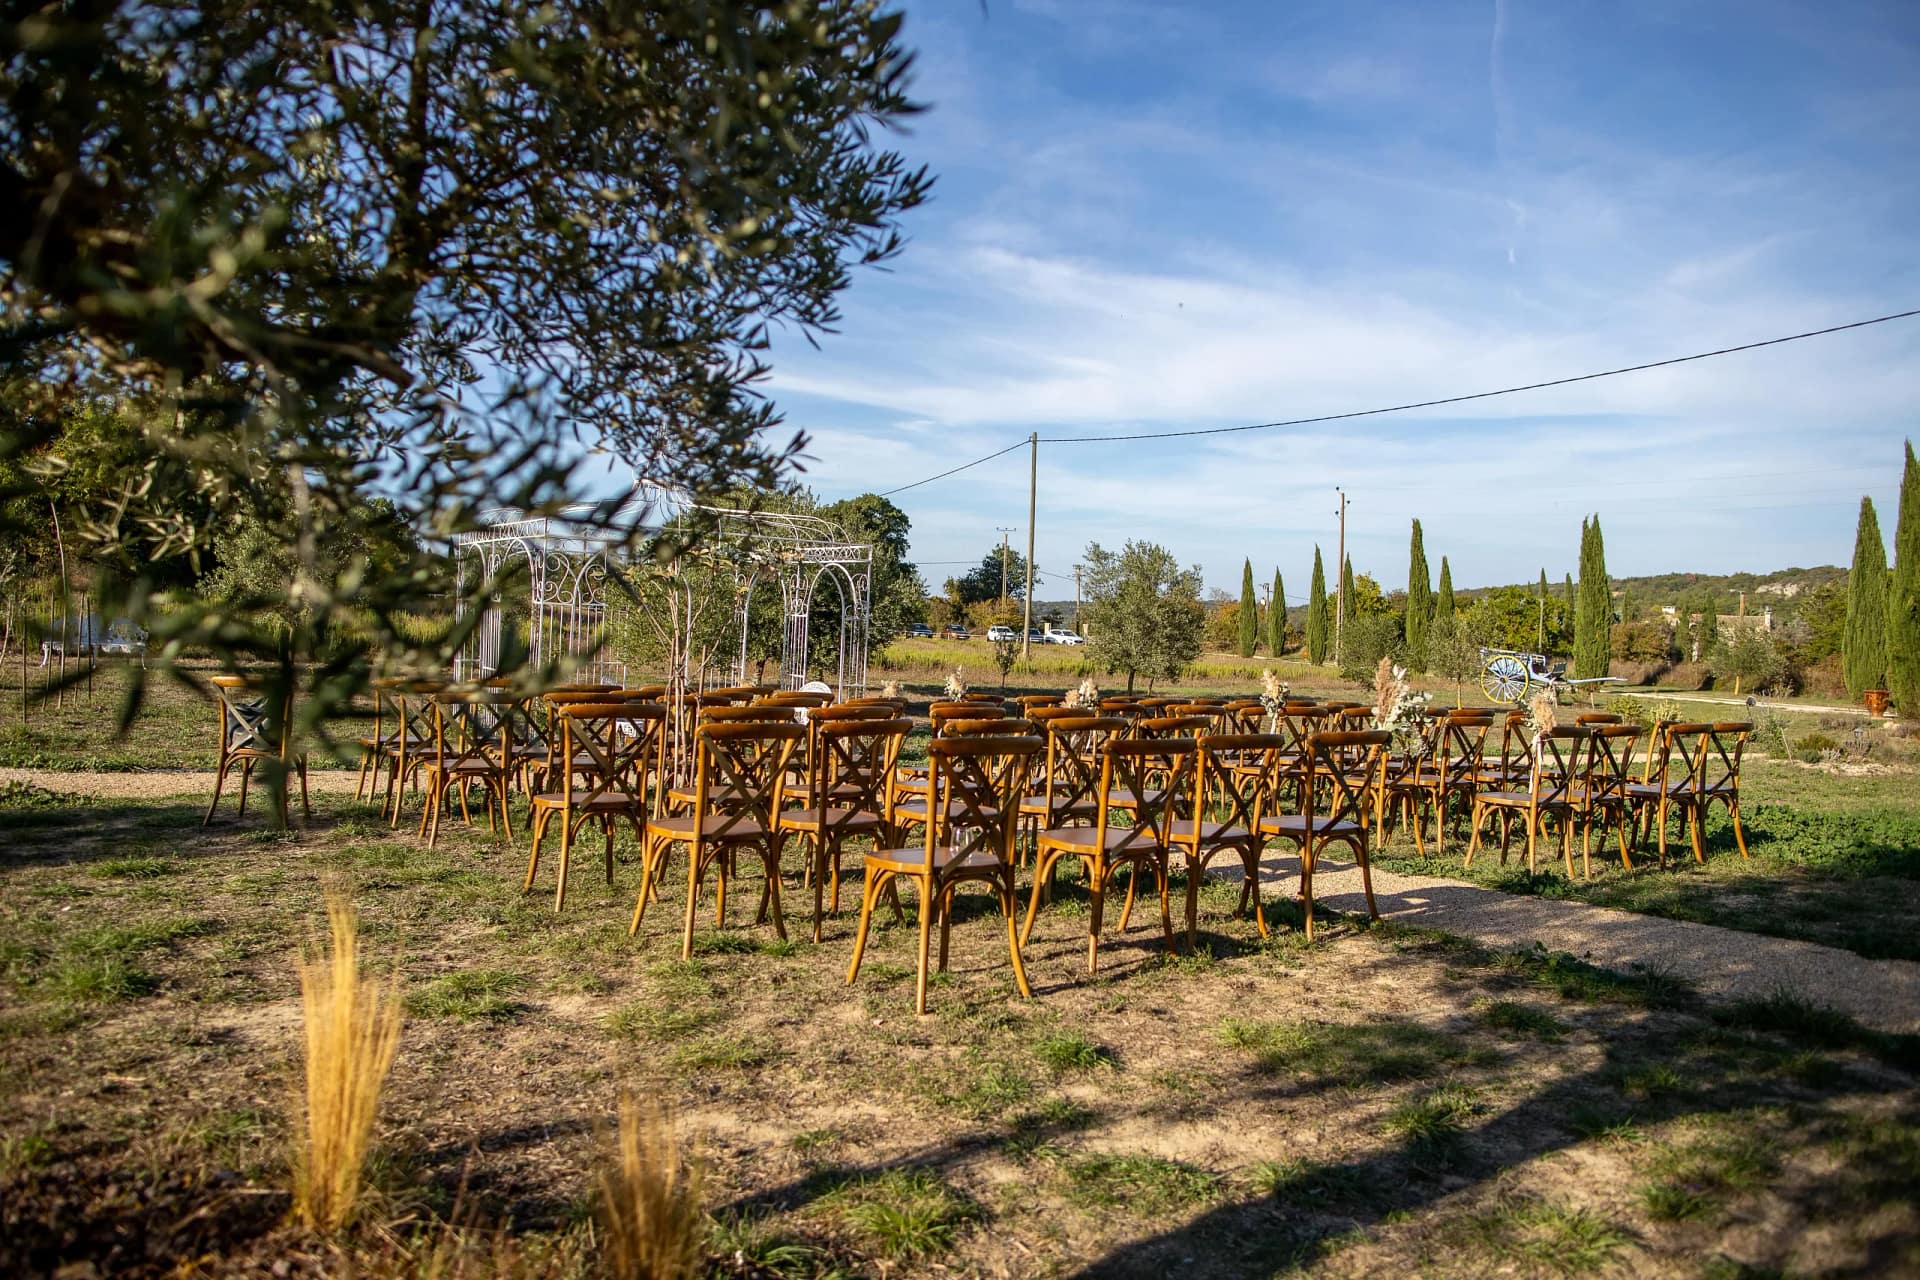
(582, 801)
(715, 796)
(722, 827)
(1520, 800)
(838, 819)
(474, 768)
(1125, 798)
(912, 860)
(1182, 832)
(1087, 839)
(1295, 825)
(1036, 807)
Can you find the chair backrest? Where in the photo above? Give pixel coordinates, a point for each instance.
(1460, 741)
(644, 693)
(1074, 744)
(473, 726)
(740, 692)
(983, 728)
(850, 711)
(614, 746)
(1172, 726)
(759, 713)
(944, 713)
(1597, 717)
(1298, 723)
(795, 699)
(1349, 764)
(1710, 754)
(975, 786)
(1156, 776)
(747, 762)
(1032, 700)
(978, 696)
(1235, 778)
(1559, 756)
(851, 762)
(247, 717)
(1609, 757)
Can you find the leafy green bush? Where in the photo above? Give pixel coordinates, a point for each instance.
(1367, 640)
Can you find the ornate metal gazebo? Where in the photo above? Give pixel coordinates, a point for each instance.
(567, 561)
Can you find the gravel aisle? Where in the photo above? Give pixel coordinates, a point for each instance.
(1720, 963)
(154, 784)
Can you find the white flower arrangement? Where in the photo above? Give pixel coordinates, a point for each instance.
(1273, 696)
(891, 689)
(956, 687)
(1086, 697)
(1399, 710)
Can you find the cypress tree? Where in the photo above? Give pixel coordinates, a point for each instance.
(1903, 601)
(1317, 612)
(1277, 617)
(1419, 602)
(1345, 615)
(1443, 606)
(1593, 611)
(1566, 589)
(1249, 611)
(1863, 644)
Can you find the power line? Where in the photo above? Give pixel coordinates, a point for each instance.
(955, 470)
(1419, 404)
(1483, 395)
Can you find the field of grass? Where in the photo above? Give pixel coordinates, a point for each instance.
(1385, 1101)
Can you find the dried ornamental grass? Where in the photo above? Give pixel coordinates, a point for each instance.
(650, 1199)
(352, 1029)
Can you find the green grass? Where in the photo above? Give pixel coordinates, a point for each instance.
(1568, 1241)
(1435, 1118)
(1347, 1052)
(1070, 1051)
(902, 1215)
(724, 1053)
(477, 995)
(1145, 1185)
(137, 867)
(653, 1022)
(1575, 979)
(1518, 1019)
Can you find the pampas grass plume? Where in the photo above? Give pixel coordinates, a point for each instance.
(650, 1199)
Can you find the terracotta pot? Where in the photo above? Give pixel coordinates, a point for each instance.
(1876, 700)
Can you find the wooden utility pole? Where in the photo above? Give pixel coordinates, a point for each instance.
(1340, 577)
(1033, 490)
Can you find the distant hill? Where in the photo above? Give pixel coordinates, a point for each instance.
(1780, 590)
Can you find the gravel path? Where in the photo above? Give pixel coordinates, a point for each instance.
(1720, 963)
(155, 784)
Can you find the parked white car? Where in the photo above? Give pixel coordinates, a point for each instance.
(999, 631)
(1060, 635)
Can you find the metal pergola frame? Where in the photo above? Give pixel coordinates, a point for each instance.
(567, 560)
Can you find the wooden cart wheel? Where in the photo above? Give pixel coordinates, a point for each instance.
(1504, 679)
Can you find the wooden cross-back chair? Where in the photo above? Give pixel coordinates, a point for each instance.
(1030, 701)
(614, 752)
(844, 797)
(1346, 767)
(1451, 769)
(1700, 767)
(1602, 795)
(374, 745)
(1129, 767)
(1235, 778)
(1591, 718)
(1064, 790)
(746, 762)
(254, 731)
(983, 696)
(1558, 760)
(473, 742)
(795, 698)
(412, 703)
(968, 838)
(1511, 765)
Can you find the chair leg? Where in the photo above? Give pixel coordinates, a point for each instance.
(1473, 845)
(869, 894)
(1697, 826)
(694, 859)
(1101, 874)
(540, 819)
(1133, 883)
(1008, 909)
(927, 908)
(1739, 833)
(506, 814)
(1366, 874)
(945, 899)
(1306, 883)
(306, 806)
(219, 781)
(771, 900)
(651, 856)
(1042, 872)
(246, 776)
(1195, 869)
(607, 826)
(1250, 858)
(360, 779)
(1166, 917)
(567, 830)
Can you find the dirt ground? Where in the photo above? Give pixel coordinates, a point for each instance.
(1386, 1099)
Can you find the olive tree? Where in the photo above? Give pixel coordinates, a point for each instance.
(1143, 610)
(446, 253)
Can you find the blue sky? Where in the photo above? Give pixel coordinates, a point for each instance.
(1157, 216)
